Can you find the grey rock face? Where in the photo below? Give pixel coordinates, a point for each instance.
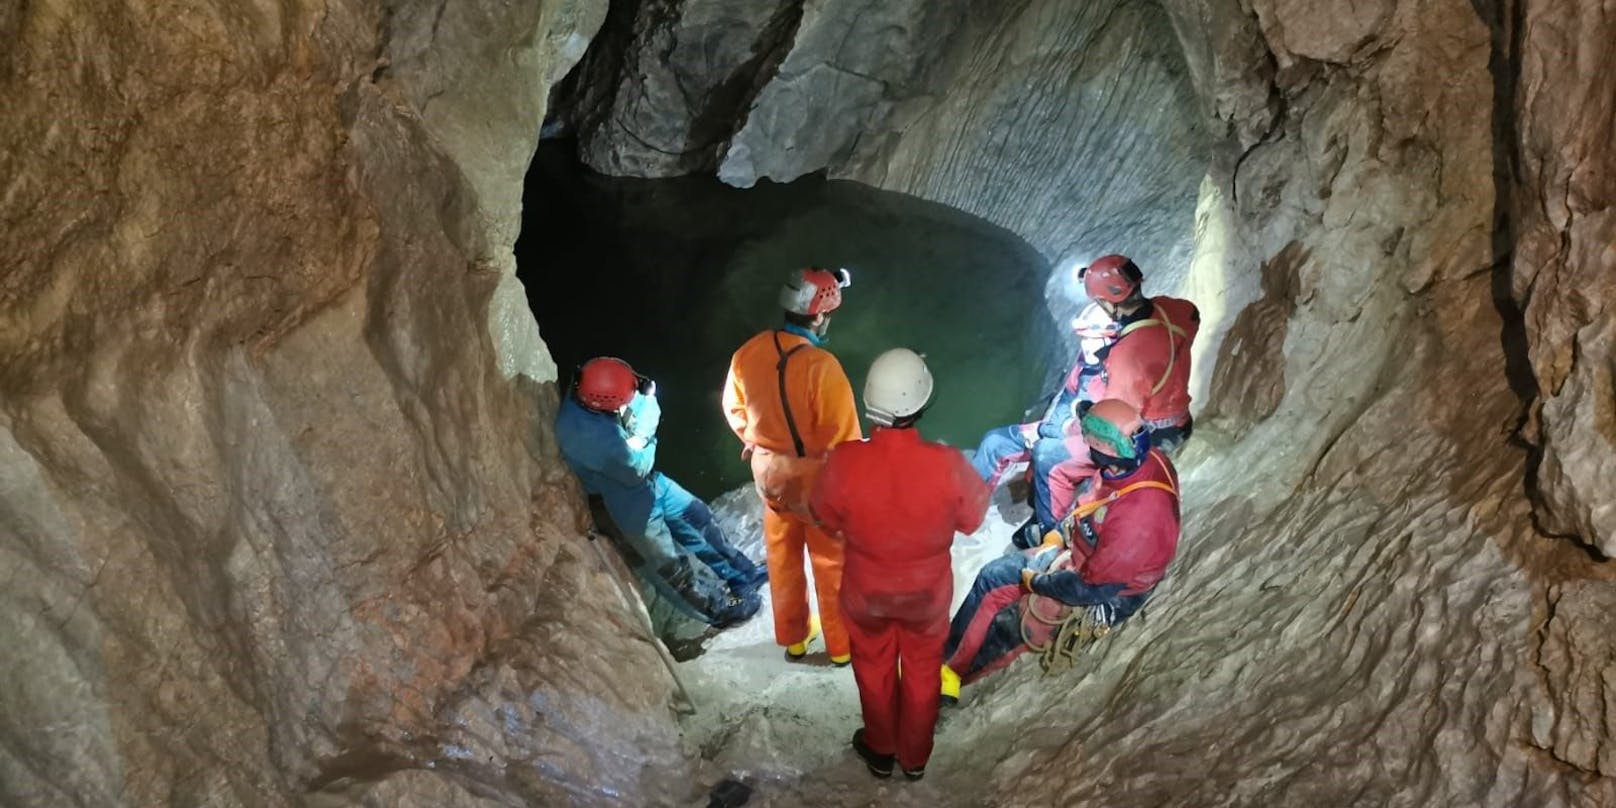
(850, 62)
(1071, 125)
(662, 94)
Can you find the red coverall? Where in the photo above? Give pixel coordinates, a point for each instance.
(822, 408)
(1135, 527)
(1148, 367)
(896, 501)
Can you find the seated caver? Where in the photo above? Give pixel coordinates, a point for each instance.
(1096, 570)
(607, 429)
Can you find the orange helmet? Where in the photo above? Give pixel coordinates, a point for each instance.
(1112, 278)
(1113, 427)
(606, 383)
(814, 291)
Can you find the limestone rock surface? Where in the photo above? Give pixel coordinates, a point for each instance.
(660, 91)
(1017, 112)
(275, 523)
(1565, 257)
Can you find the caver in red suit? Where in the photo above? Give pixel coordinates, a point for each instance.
(897, 501)
(1111, 553)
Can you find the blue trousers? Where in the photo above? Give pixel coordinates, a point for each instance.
(690, 523)
(1000, 448)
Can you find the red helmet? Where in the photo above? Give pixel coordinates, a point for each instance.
(814, 291)
(1112, 278)
(606, 383)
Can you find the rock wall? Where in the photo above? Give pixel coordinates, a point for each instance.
(1558, 267)
(1017, 112)
(1363, 612)
(267, 538)
(280, 516)
(1564, 268)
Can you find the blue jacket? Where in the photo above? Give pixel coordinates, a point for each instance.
(612, 459)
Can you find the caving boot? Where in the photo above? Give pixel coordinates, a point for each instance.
(798, 650)
(878, 764)
(950, 690)
(736, 609)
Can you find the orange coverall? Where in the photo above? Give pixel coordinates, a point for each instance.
(822, 407)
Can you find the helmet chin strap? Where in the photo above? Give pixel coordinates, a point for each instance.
(1114, 467)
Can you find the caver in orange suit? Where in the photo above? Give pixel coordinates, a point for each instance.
(785, 462)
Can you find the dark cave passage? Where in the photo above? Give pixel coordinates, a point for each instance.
(673, 274)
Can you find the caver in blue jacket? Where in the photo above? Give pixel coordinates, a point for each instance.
(681, 548)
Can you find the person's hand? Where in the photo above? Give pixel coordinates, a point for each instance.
(638, 443)
(1029, 435)
(1052, 539)
(746, 451)
(1026, 578)
(1050, 429)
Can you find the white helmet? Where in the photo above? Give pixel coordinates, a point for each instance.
(899, 386)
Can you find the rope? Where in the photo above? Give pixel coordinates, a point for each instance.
(1073, 634)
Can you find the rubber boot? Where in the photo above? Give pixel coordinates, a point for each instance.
(951, 688)
(798, 650)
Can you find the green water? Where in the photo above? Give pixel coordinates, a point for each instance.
(673, 275)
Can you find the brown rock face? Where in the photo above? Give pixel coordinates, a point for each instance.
(273, 517)
(1565, 256)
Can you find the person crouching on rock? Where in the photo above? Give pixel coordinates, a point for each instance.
(896, 502)
(1092, 573)
(607, 432)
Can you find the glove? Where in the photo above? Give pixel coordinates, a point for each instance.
(1052, 539)
(1026, 579)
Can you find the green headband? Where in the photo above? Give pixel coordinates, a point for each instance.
(1094, 425)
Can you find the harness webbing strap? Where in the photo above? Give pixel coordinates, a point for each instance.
(1173, 333)
(785, 402)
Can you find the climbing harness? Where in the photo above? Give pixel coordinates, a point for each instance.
(1071, 635)
(1079, 627)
